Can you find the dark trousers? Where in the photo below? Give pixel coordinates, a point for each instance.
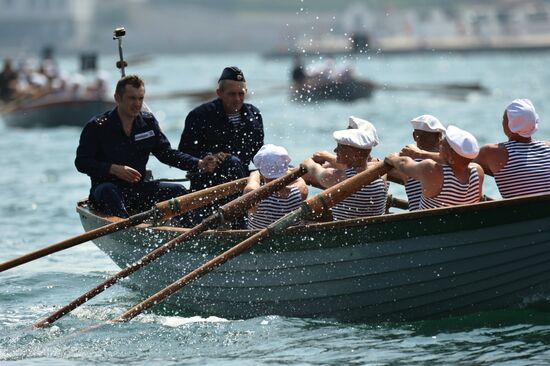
(230, 169)
(116, 200)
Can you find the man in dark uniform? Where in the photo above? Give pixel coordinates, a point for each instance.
(114, 149)
(225, 133)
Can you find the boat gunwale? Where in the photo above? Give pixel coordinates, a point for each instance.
(477, 212)
(327, 226)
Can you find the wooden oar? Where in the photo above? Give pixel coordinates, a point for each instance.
(161, 211)
(227, 212)
(207, 94)
(312, 208)
(178, 94)
(446, 88)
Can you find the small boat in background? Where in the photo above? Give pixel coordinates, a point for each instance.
(51, 111)
(403, 266)
(42, 96)
(337, 90)
(326, 82)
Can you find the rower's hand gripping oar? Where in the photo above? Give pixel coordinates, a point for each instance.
(227, 212)
(312, 208)
(160, 212)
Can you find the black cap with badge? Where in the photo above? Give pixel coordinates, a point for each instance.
(232, 73)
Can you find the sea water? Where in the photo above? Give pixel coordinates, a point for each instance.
(39, 187)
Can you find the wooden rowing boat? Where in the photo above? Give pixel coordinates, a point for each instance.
(402, 266)
(53, 112)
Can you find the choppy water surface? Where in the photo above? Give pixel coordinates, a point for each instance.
(39, 187)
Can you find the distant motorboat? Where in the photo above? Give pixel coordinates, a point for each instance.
(53, 111)
(343, 90)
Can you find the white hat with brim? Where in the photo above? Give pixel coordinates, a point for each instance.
(272, 161)
(462, 142)
(359, 138)
(428, 123)
(522, 117)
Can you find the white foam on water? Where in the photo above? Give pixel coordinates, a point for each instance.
(177, 321)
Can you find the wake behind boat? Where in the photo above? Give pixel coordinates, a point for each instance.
(426, 264)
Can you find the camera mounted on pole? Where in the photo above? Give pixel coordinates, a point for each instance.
(118, 33)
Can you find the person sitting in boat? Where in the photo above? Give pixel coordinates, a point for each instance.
(99, 87)
(114, 149)
(225, 133)
(324, 73)
(427, 134)
(456, 180)
(272, 162)
(8, 78)
(299, 74)
(521, 165)
(353, 152)
(328, 159)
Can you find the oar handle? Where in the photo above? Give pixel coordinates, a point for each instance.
(397, 203)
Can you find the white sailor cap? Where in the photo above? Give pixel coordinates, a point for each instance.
(364, 138)
(462, 142)
(428, 123)
(522, 117)
(272, 161)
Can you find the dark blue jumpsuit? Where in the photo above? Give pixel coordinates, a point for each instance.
(103, 143)
(208, 131)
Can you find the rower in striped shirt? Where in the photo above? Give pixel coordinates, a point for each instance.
(521, 165)
(352, 156)
(328, 159)
(272, 162)
(427, 134)
(456, 180)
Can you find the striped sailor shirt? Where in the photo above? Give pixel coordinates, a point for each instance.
(273, 208)
(453, 192)
(413, 188)
(527, 170)
(236, 120)
(368, 201)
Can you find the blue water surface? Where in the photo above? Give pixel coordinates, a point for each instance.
(39, 187)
